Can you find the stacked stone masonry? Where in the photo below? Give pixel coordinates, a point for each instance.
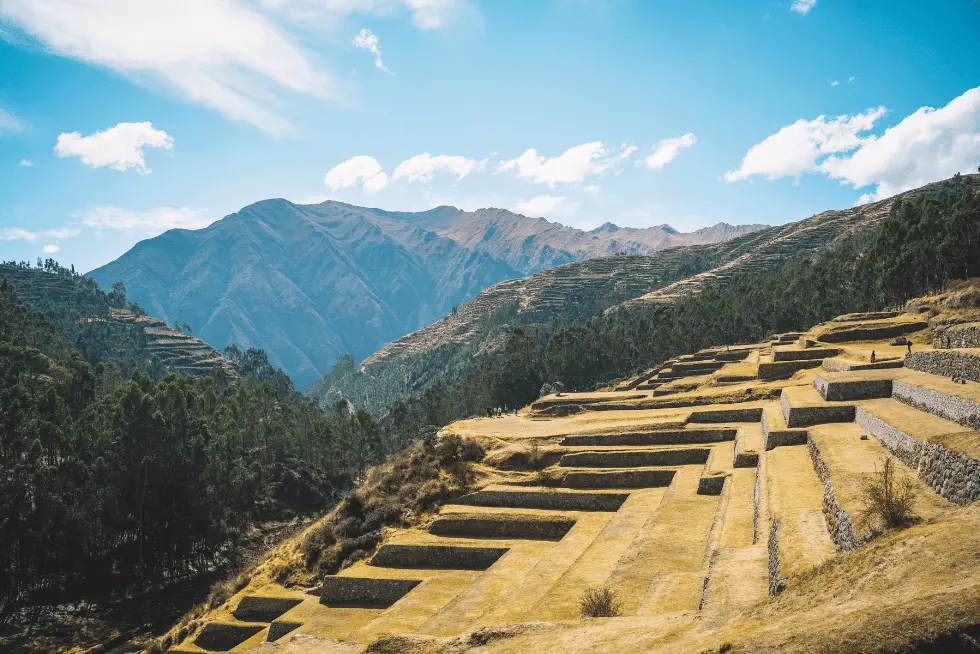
(839, 522)
(946, 363)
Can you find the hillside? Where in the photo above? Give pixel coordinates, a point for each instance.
(75, 301)
(729, 501)
(570, 293)
(310, 283)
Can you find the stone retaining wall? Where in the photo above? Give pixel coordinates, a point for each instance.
(280, 628)
(958, 336)
(953, 475)
(726, 415)
(839, 522)
(785, 437)
(554, 501)
(858, 389)
(804, 355)
(903, 446)
(617, 478)
(744, 459)
(756, 496)
(484, 525)
(804, 416)
(443, 557)
(665, 437)
(836, 365)
(634, 458)
(733, 355)
(359, 592)
(223, 636)
(263, 609)
(780, 369)
(711, 485)
(776, 583)
(702, 366)
(946, 363)
(951, 407)
(873, 333)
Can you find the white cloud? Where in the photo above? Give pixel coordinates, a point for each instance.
(155, 221)
(803, 6)
(26, 163)
(667, 150)
(50, 249)
(426, 14)
(572, 166)
(835, 83)
(628, 151)
(362, 169)
(217, 53)
(8, 121)
(547, 205)
(21, 234)
(929, 145)
(796, 148)
(851, 78)
(926, 146)
(119, 147)
(368, 40)
(592, 189)
(423, 166)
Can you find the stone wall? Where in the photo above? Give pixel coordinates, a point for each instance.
(953, 475)
(635, 458)
(839, 522)
(875, 332)
(857, 389)
(617, 478)
(958, 336)
(776, 583)
(711, 485)
(253, 608)
(550, 500)
(946, 363)
(223, 636)
(780, 369)
(804, 416)
(756, 497)
(364, 592)
(726, 415)
(444, 557)
(805, 355)
(662, 437)
(903, 446)
(951, 407)
(505, 525)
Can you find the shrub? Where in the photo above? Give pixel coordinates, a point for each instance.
(599, 602)
(889, 497)
(452, 449)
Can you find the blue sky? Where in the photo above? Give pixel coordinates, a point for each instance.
(116, 124)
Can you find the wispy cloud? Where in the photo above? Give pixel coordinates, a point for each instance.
(154, 221)
(547, 205)
(50, 249)
(10, 122)
(26, 163)
(119, 147)
(22, 234)
(363, 170)
(571, 167)
(368, 40)
(667, 150)
(803, 6)
(219, 54)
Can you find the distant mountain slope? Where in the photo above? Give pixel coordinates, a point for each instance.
(572, 292)
(75, 305)
(309, 283)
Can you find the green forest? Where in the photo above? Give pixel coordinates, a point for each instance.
(118, 473)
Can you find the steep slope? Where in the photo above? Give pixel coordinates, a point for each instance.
(575, 291)
(310, 283)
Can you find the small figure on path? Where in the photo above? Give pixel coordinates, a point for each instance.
(872, 356)
(909, 343)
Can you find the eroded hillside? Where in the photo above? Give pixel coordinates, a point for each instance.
(723, 502)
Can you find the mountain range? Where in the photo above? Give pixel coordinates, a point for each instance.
(310, 283)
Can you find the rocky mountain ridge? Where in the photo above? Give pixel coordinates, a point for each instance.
(310, 283)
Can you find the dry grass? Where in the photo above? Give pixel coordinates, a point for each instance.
(599, 602)
(889, 498)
